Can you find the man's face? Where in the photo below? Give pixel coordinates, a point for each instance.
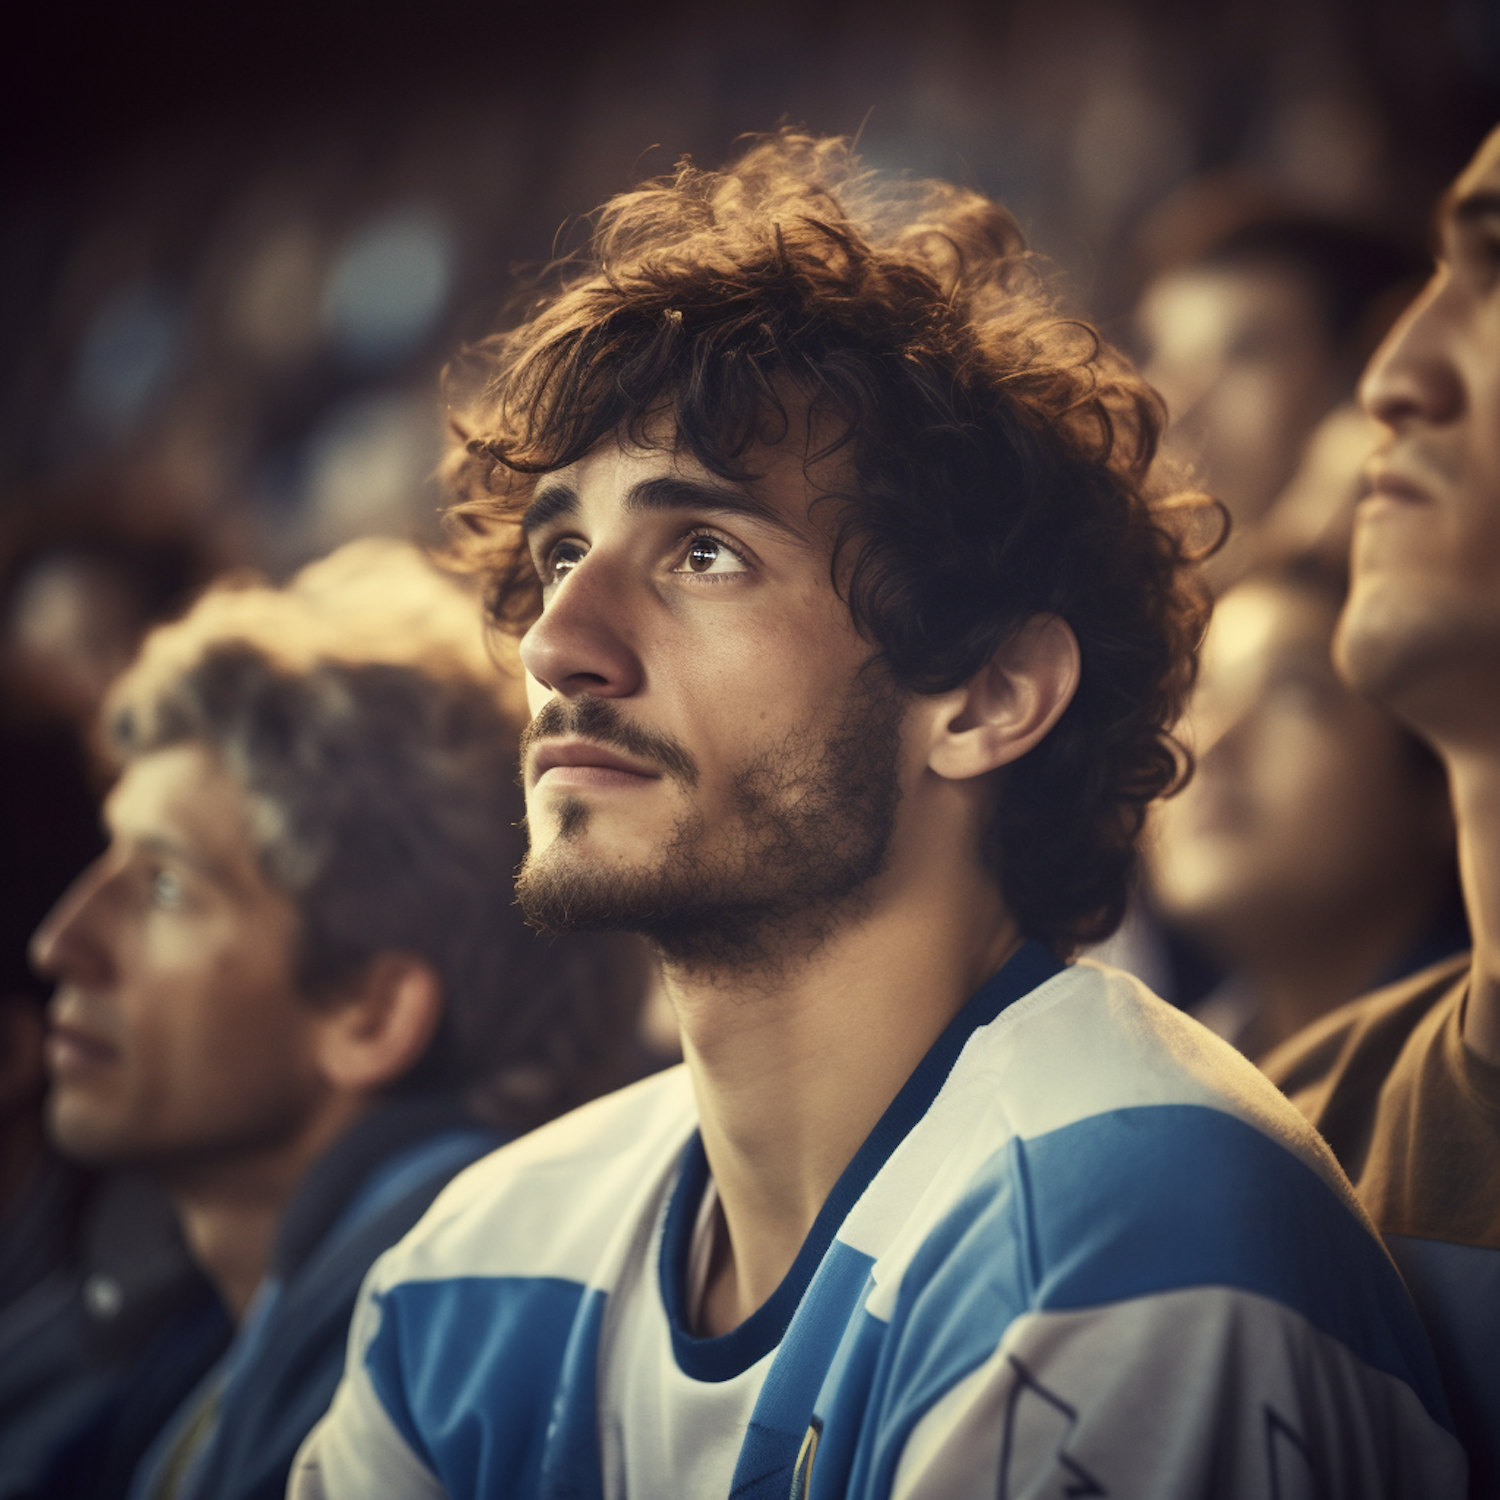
(1242, 358)
(708, 762)
(177, 1036)
(1422, 626)
(1306, 809)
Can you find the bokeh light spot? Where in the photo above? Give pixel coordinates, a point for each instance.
(389, 287)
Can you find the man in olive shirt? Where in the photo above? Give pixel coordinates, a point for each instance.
(1405, 1084)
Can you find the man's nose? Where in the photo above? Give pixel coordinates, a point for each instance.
(1413, 375)
(582, 641)
(69, 944)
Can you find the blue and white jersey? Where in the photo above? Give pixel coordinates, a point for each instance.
(1088, 1250)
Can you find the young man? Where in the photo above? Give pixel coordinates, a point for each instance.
(294, 989)
(853, 639)
(1406, 1083)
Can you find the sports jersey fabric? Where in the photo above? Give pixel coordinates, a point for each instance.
(235, 1435)
(1414, 1118)
(1088, 1249)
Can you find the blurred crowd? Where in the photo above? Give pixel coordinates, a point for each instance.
(251, 733)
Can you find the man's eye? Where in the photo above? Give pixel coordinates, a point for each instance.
(707, 554)
(167, 891)
(559, 562)
(1487, 255)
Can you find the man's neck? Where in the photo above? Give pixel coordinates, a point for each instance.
(230, 1209)
(1475, 781)
(791, 1076)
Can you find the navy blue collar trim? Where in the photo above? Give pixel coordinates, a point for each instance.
(725, 1357)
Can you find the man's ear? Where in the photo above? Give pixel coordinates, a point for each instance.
(1010, 704)
(376, 1028)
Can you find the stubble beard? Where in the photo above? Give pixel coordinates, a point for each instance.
(810, 826)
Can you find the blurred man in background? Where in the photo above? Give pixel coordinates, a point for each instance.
(295, 988)
(1253, 331)
(92, 1265)
(1313, 850)
(1406, 1083)
(1253, 324)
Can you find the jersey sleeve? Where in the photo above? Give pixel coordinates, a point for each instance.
(1208, 1392)
(1158, 1301)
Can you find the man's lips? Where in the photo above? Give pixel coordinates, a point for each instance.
(584, 763)
(71, 1050)
(1391, 484)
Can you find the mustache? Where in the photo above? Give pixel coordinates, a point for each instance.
(599, 720)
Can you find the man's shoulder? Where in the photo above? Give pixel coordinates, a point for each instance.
(1095, 1042)
(544, 1203)
(1106, 1151)
(1094, 1107)
(1337, 1066)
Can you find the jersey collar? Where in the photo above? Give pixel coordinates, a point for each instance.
(734, 1352)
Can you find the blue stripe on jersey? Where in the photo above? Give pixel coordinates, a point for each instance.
(725, 1357)
(1118, 1206)
(491, 1382)
(846, 1399)
(779, 1422)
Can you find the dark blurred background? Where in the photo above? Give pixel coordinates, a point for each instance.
(238, 241)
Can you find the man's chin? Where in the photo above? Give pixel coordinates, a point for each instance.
(692, 921)
(1390, 640)
(86, 1136)
(593, 854)
(567, 886)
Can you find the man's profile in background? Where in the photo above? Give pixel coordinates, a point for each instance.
(1405, 1084)
(295, 989)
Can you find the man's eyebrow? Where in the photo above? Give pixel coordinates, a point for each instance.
(664, 492)
(668, 492)
(550, 501)
(166, 848)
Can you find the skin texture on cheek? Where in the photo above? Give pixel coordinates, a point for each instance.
(211, 1058)
(806, 823)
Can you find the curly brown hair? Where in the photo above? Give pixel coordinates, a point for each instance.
(1000, 458)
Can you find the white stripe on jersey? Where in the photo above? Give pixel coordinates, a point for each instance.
(1055, 1434)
